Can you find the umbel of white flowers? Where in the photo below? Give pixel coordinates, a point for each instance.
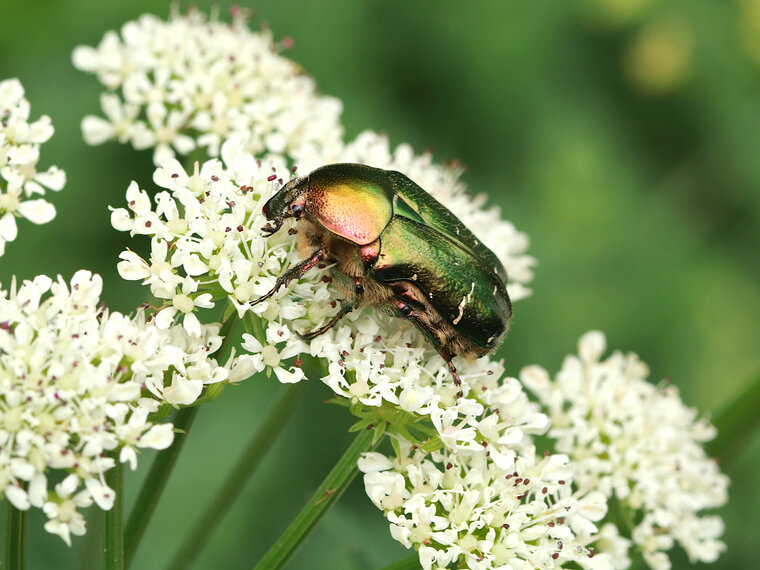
(20, 180)
(192, 82)
(77, 382)
(638, 443)
(463, 508)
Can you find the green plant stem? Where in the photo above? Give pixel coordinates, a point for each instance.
(163, 465)
(15, 544)
(410, 563)
(154, 484)
(621, 517)
(92, 541)
(257, 448)
(736, 423)
(114, 526)
(336, 482)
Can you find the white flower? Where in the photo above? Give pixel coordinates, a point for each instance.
(638, 443)
(76, 383)
(270, 356)
(20, 143)
(194, 81)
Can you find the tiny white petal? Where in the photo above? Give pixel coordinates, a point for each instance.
(17, 497)
(37, 211)
(159, 436)
(182, 391)
(101, 493)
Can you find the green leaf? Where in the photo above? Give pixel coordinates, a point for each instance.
(737, 422)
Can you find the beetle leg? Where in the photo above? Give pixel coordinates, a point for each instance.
(295, 272)
(345, 308)
(269, 230)
(406, 311)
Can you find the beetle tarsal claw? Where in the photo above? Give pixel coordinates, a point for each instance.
(454, 373)
(269, 230)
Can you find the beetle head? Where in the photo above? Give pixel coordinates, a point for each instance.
(288, 202)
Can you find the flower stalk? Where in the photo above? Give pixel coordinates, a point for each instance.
(154, 484)
(250, 459)
(15, 544)
(163, 465)
(326, 495)
(114, 525)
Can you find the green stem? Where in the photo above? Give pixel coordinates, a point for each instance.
(336, 482)
(410, 563)
(621, 518)
(162, 467)
(154, 484)
(736, 423)
(92, 541)
(15, 545)
(114, 527)
(257, 448)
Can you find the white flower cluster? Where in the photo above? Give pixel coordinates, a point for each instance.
(207, 244)
(463, 509)
(206, 240)
(77, 382)
(20, 143)
(192, 82)
(638, 443)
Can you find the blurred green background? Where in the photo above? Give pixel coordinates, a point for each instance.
(622, 135)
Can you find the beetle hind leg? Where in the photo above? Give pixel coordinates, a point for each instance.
(405, 310)
(295, 272)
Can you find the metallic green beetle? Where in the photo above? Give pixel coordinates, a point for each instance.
(395, 247)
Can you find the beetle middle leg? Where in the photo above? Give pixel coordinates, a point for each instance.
(346, 306)
(295, 272)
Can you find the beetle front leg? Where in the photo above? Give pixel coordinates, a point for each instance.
(295, 272)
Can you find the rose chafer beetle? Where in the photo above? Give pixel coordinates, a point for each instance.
(395, 247)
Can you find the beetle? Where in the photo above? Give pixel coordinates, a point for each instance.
(395, 247)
